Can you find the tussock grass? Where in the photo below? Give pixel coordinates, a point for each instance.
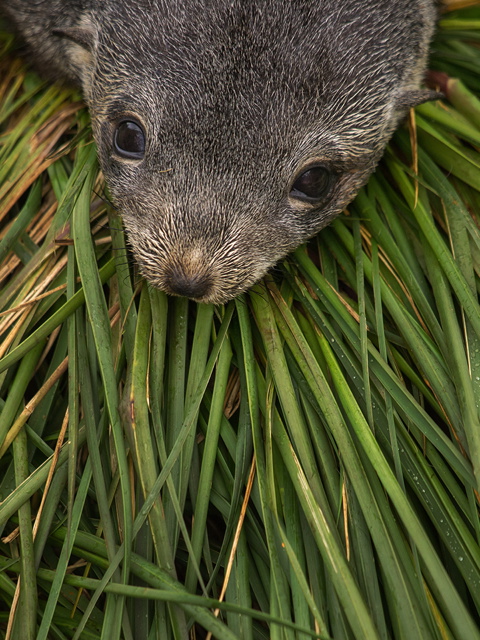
(302, 463)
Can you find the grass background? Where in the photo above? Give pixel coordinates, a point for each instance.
(301, 463)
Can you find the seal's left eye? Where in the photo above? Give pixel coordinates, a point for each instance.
(129, 140)
(313, 185)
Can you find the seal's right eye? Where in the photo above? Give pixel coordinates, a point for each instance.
(129, 140)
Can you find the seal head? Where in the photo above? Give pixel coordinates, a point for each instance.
(230, 133)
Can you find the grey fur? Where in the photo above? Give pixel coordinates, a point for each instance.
(235, 98)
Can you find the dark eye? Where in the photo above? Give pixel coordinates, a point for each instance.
(312, 185)
(129, 140)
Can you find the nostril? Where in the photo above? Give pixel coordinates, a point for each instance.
(191, 286)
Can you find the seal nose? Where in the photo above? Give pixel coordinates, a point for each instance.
(191, 286)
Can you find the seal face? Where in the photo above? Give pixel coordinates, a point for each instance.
(230, 133)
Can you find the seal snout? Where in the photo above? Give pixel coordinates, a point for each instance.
(190, 285)
(188, 274)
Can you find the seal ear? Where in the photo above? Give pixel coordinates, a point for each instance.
(412, 98)
(80, 45)
(82, 36)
